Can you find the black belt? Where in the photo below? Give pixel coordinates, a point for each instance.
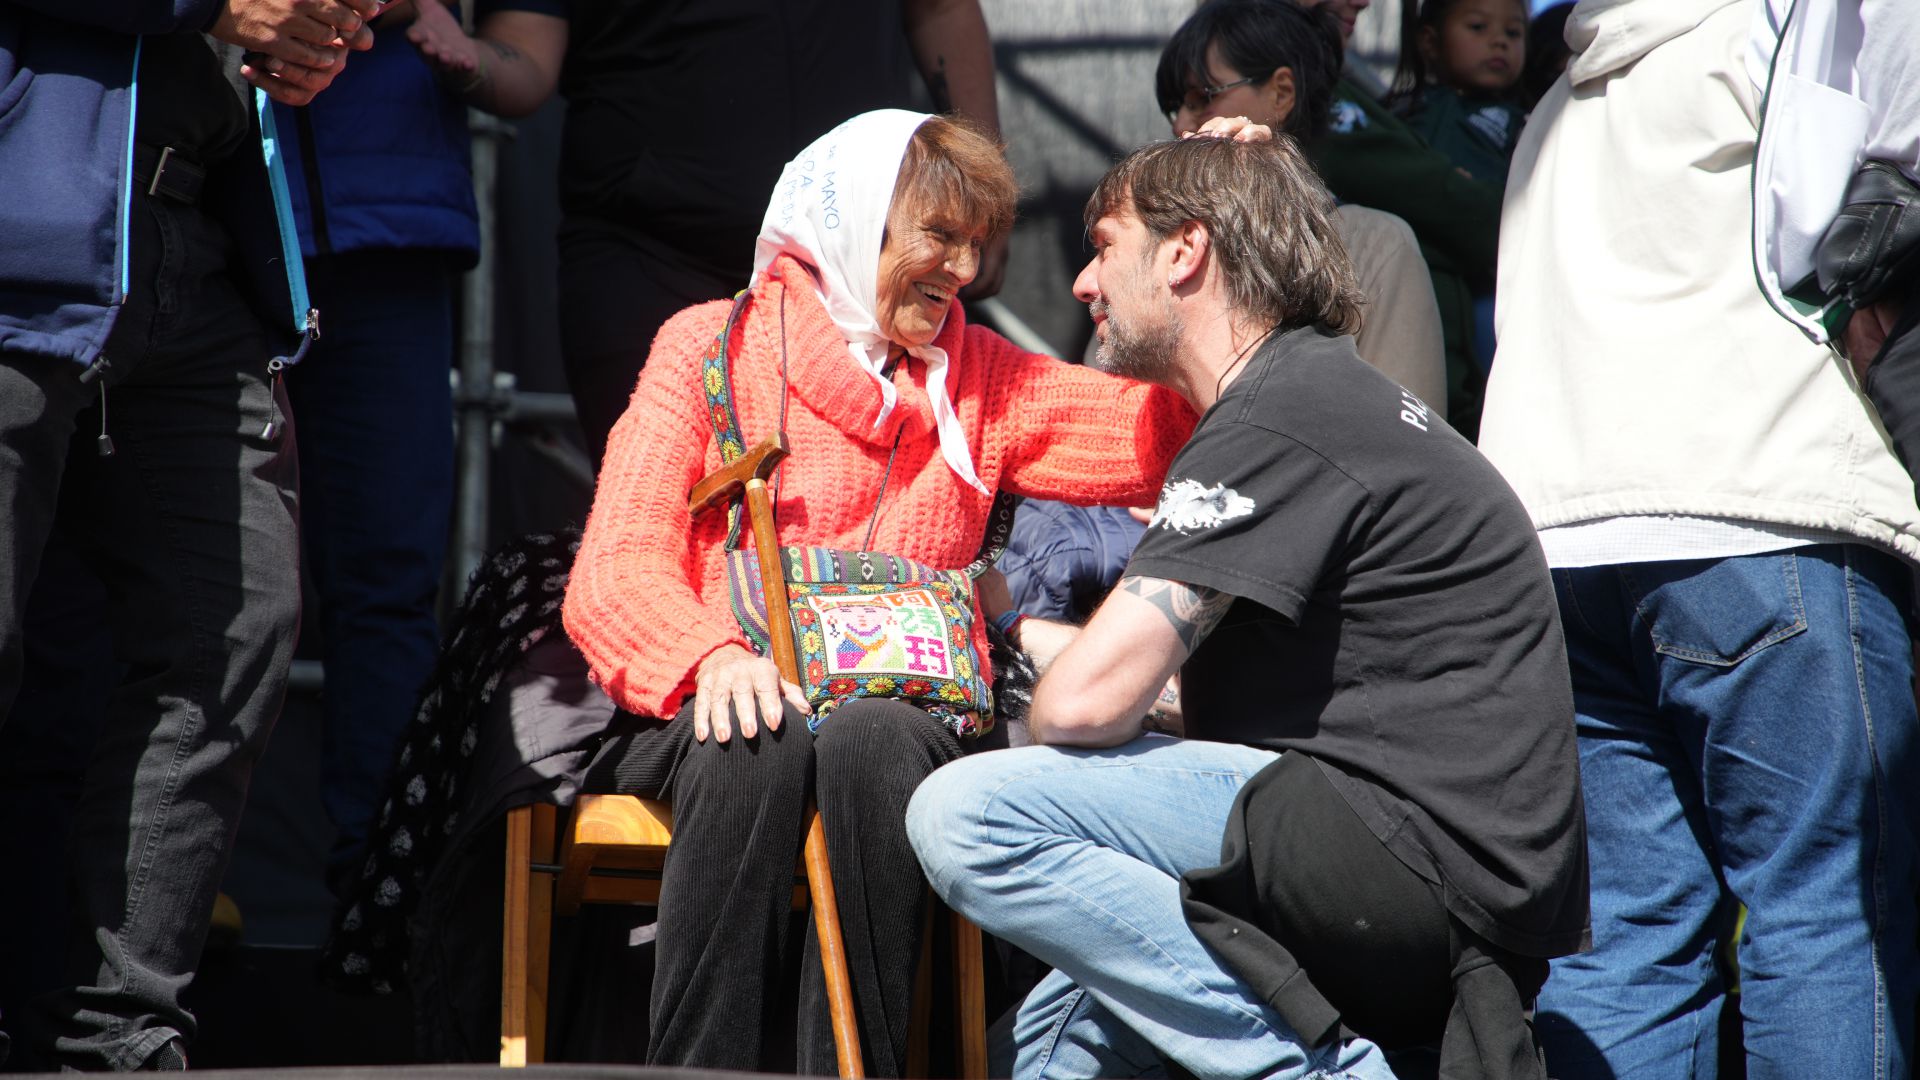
(169, 173)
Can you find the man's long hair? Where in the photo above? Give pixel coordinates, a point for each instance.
(1269, 219)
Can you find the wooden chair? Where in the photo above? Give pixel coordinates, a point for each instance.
(611, 851)
(624, 839)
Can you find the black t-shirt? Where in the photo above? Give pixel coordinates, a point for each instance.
(1395, 621)
(681, 113)
(187, 100)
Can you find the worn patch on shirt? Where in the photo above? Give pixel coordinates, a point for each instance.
(1187, 505)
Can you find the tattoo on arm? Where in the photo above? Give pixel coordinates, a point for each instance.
(937, 86)
(505, 51)
(1192, 610)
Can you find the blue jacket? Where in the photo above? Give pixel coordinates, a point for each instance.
(379, 161)
(1062, 559)
(69, 73)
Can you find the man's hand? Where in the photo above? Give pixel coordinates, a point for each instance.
(1866, 334)
(289, 84)
(311, 33)
(733, 684)
(295, 47)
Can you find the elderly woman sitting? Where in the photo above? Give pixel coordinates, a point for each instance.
(903, 422)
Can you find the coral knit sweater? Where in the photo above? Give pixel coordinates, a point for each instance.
(648, 598)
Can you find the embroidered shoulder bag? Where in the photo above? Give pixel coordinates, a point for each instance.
(865, 623)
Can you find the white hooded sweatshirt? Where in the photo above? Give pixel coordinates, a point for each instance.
(1646, 402)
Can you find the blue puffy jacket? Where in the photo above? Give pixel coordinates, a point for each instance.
(380, 160)
(1062, 559)
(69, 73)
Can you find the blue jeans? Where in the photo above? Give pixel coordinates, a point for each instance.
(1746, 736)
(374, 417)
(1075, 856)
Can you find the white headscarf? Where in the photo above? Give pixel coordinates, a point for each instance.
(829, 210)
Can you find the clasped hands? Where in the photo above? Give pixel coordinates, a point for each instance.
(295, 47)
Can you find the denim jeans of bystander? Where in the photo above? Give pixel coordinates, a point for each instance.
(1747, 735)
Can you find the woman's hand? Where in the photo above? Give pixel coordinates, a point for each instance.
(1237, 128)
(733, 682)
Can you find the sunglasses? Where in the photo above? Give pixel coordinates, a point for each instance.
(1199, 97)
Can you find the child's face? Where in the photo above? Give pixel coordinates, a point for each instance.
(1481, 45)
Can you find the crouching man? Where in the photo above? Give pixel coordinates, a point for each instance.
(1372, 835)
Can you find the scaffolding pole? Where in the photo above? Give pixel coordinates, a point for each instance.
(472, 399)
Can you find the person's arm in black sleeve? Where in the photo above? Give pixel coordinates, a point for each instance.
(954, 53)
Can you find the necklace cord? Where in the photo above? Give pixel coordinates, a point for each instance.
(1239, 356)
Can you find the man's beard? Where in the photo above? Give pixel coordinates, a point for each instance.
(1148, 352)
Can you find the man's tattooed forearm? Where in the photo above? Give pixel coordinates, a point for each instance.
(1192, 610)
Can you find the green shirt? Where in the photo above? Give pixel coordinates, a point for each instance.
(1370, 157)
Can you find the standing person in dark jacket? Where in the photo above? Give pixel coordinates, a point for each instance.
(142, 264)
(383, 197)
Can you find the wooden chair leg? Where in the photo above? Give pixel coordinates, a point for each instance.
(514, 958)
(526, 936)
(833, 951)
(970, 993)
(540, 929)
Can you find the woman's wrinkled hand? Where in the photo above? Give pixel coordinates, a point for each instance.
(734, 684)
(1237, 128)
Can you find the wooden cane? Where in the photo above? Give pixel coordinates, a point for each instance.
(749, 474)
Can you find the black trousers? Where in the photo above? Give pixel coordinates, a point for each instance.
(616, 290)
(1315, 892)
(725, 933)
(190, 527)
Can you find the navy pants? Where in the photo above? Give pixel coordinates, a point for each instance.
(376, 451)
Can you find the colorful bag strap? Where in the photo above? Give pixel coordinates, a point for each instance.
(716, 376)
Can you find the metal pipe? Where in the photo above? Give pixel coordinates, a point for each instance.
(306, 677)
(1013, 327)
(475, 418)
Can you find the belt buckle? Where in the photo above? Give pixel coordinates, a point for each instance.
(159, 170)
